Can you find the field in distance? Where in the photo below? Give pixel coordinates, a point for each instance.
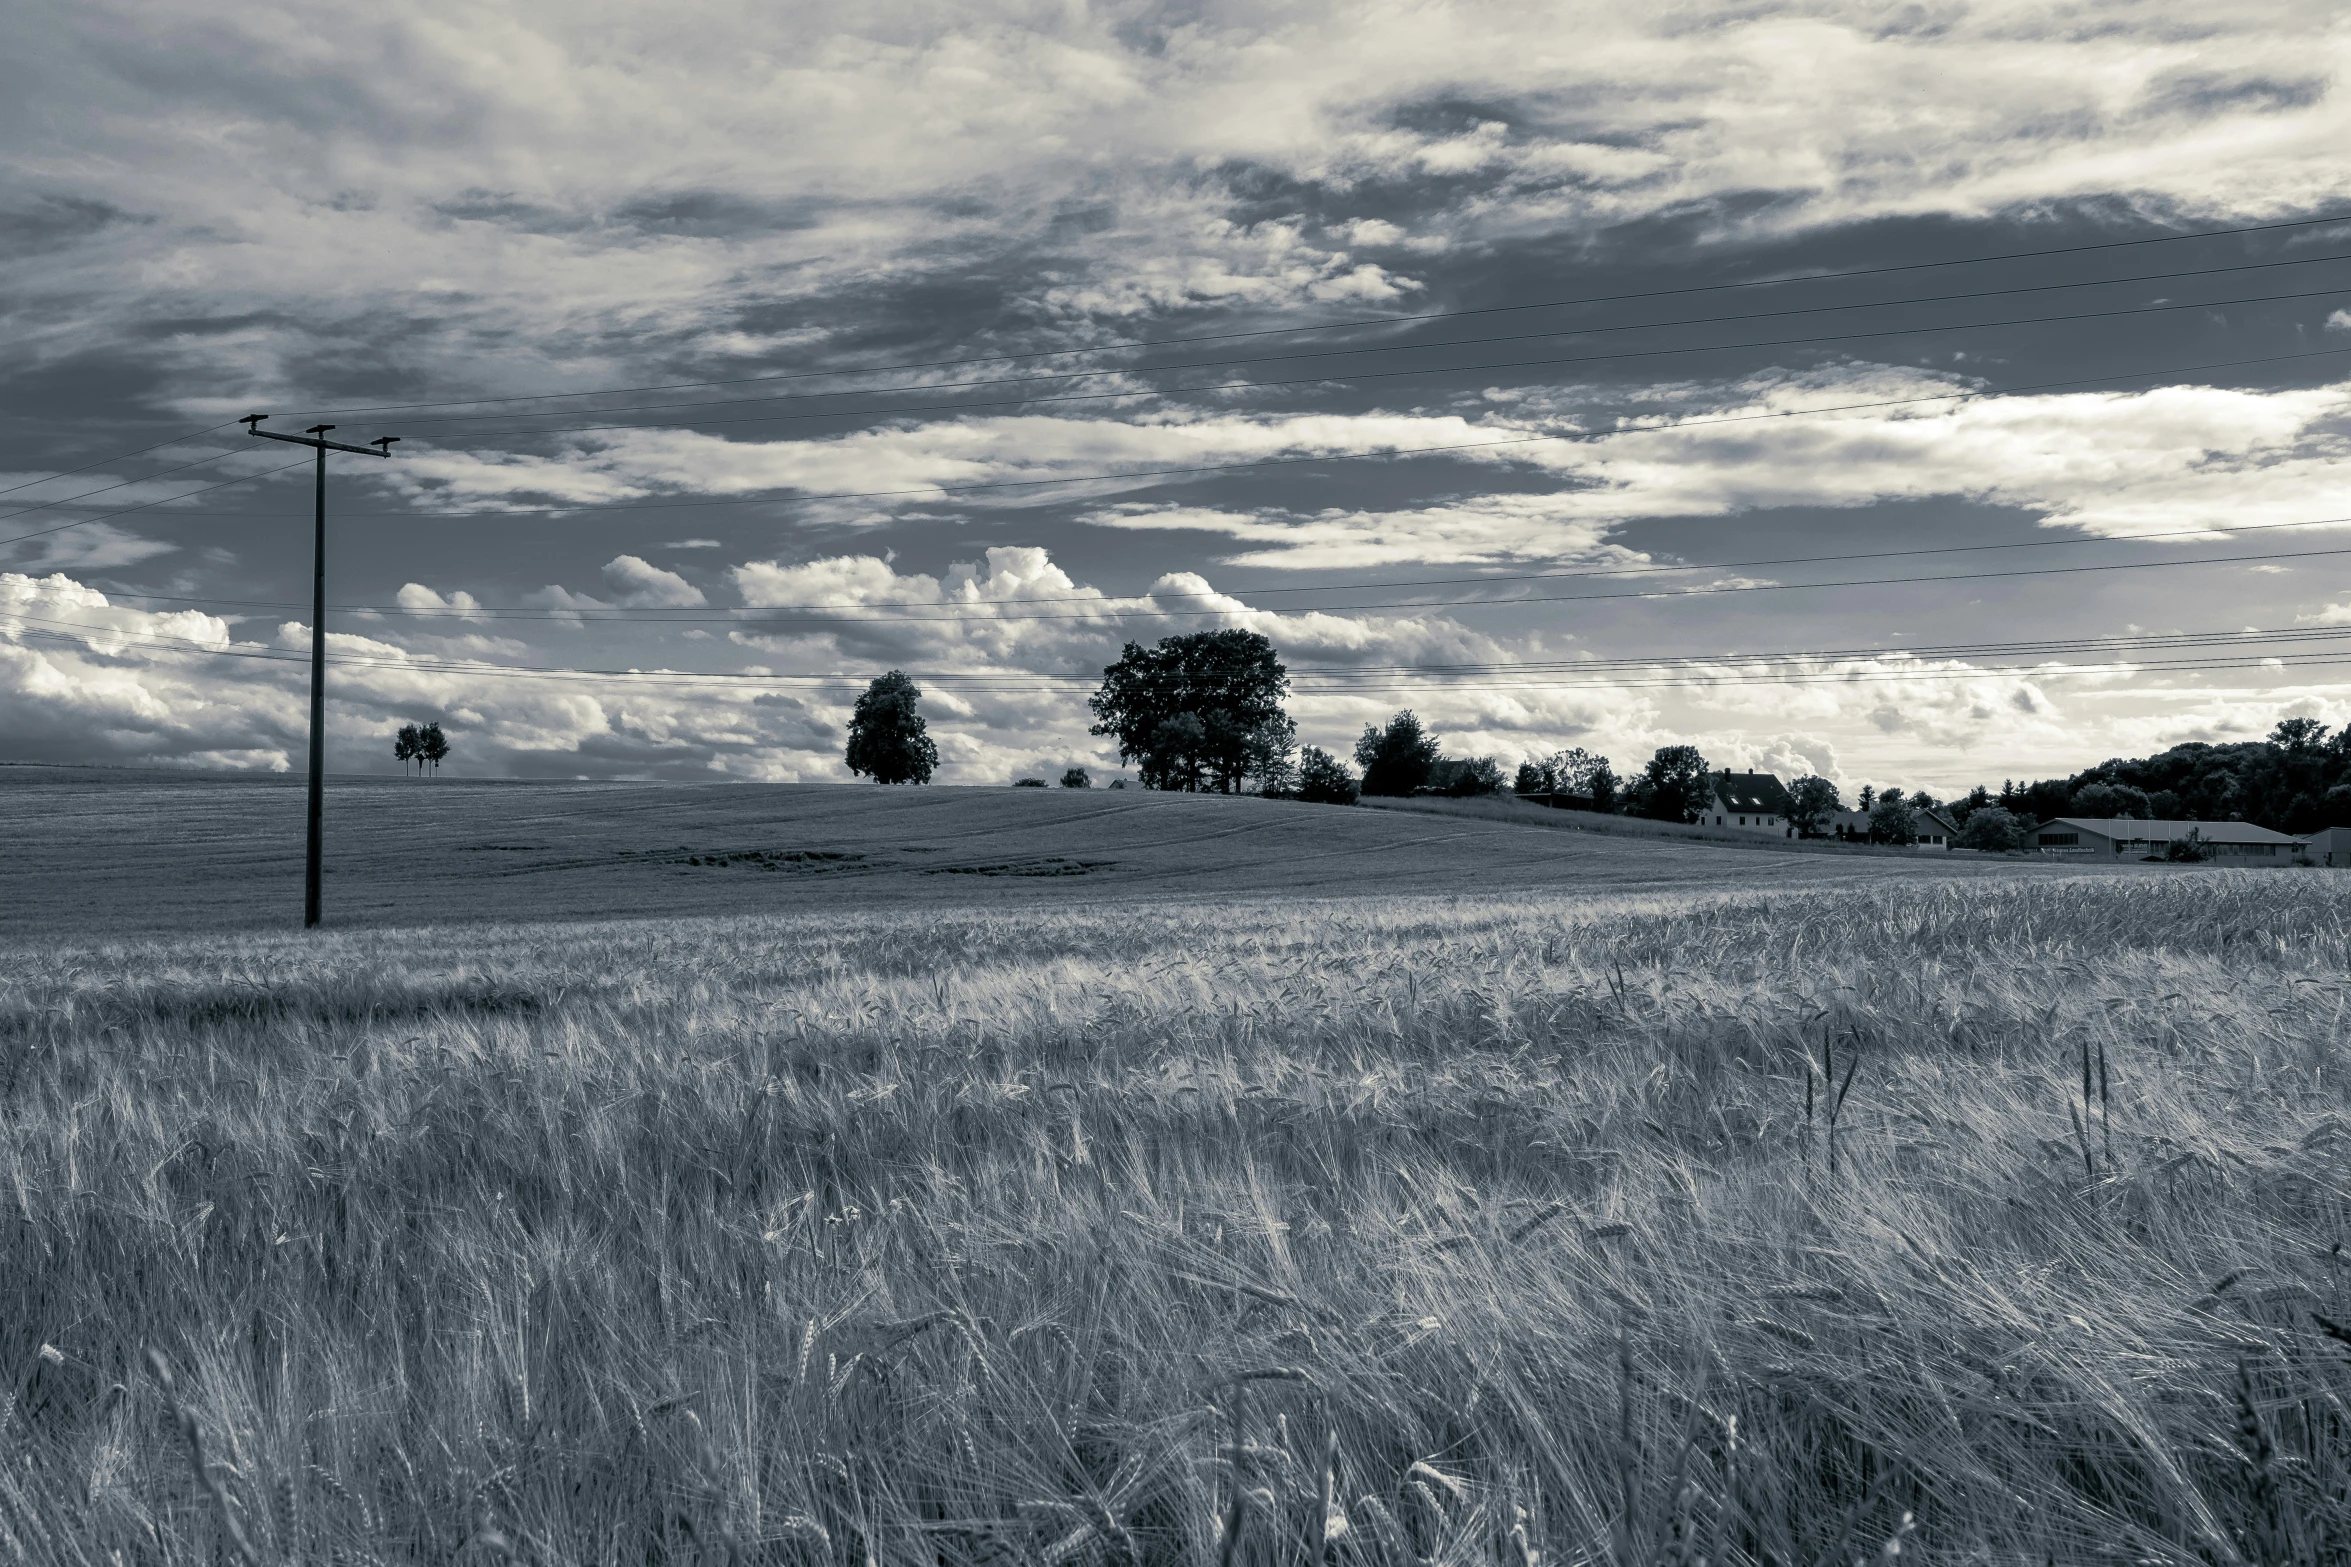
(1993, 1220)
(96, 852)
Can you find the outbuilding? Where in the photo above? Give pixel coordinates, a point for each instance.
(2129, 838)
(2329, 846)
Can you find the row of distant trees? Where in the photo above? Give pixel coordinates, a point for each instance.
(1205, 712)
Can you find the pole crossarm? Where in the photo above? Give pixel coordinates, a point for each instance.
(332, 446)
(316, 439)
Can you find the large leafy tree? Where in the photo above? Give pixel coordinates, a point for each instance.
(888, 740)
(1672, 787)
(1813, 800)
(1198, 712)
(1398, 759)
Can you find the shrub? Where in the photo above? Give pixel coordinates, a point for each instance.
(1995, 830)
(1028, 783)
(1323, 779)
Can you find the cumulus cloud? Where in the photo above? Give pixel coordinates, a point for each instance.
(418, 598)
(639, 584)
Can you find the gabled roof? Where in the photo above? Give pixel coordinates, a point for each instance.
(2132, 829)
(1760, 794)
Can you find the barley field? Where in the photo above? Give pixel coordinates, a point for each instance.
(1998, 1220)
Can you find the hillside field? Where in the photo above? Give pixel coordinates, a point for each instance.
(99, 852)
(1990, 1220)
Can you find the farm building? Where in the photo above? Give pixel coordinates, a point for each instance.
(2329, 846)
(1750, 802)
(2128, 838)
(1935, 830)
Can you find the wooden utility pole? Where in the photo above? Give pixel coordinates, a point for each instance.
(315, 439)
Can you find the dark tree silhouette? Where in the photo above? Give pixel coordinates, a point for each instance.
(1077, 778)
(433, 747)
(1323, 779)
(888, 740)
(1398, 759)
(1673, 785)
(1199, 712)
(408, 746)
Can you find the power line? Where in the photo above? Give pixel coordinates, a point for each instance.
(103, 488)
(1381, 348)
(1208, 468)
(67, 473)
(1672, 673)
(1549, 361)
(1371, 321)
(83, 522)
(1382, 453)
(695, 614)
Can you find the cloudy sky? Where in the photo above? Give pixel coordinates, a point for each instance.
(1926, 393)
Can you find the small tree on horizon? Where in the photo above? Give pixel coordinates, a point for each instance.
(1323, 779)
(888, 740)
(408, 746)
(1398, 759)
(432, 746)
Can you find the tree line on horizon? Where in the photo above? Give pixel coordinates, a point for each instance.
(1203, 712)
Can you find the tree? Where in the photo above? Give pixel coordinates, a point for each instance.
(1578, 771)
(888, 740)
(407, 746)
(1461, 777)
(1869, 798)
(1995, 829)
(1197, 712)
(1601, 785)
(1812, 801)
(1893, 821)
(1076, 778)
(1268, 760)
(1673, 786)
(1533, 778)
(2298, 734)
(1396, 760)
(433, 746)
(1323, 779)
(2109, 800)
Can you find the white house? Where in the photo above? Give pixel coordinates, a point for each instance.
(1749, 802)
